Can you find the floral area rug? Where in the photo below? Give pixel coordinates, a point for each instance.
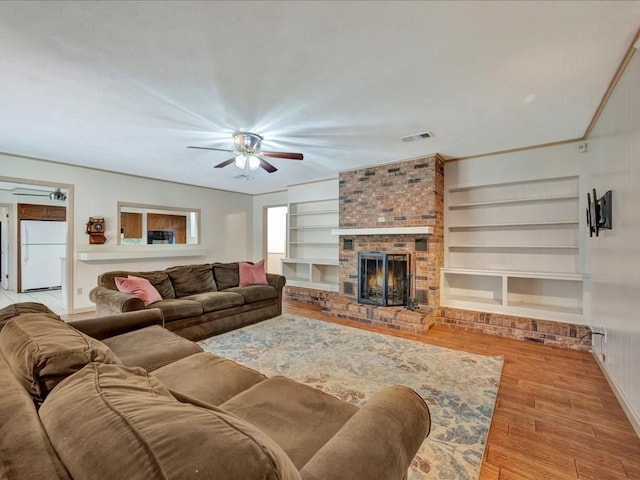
(352, 364)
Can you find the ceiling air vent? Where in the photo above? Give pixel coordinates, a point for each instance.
(416, 136)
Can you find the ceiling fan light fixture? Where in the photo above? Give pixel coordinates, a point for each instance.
(241, 161)
(247, 161)
(254, 162)
(247, 143)
(249, 155)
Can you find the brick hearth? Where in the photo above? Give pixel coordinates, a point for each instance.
(399, 318)
(557, 334)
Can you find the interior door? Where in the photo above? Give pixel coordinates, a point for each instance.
(4, 248)
(276, 238)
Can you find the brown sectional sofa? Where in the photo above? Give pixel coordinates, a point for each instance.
(122, 397)
(198, 301)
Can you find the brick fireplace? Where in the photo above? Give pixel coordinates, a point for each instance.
(393, 196)
(406, 194)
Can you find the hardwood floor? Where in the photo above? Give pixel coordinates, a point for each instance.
(556, 416)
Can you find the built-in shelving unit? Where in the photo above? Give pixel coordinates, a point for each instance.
(312, 250)
(528, 294)
(514, 248)
(321, 274)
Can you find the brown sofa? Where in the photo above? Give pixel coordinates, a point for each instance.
(198, 301)
(122, 397)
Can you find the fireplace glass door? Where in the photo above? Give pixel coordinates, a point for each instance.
(383, 279)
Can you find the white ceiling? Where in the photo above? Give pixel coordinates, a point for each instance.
(126, 86)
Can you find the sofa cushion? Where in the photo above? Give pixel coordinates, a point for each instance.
(213, 301)
(255, 293)
(15, 309)
(177, 308)
(150, 347)
(252, 274)
(208, 378)
(191, 279)
(226, 275)
(25, 450)
(42, 350)
(299, 418)
(159, 279)
(140, 287)
(111, 421)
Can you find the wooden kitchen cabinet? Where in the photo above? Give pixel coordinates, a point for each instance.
(169, 223)
(28, 211)
(131, 225)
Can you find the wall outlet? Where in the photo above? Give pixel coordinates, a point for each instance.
(582, 147)
(381, 219)
(79, 291)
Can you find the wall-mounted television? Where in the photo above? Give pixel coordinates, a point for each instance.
(599, 213)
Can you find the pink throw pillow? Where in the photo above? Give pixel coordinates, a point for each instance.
(252, 274)
(140, 287)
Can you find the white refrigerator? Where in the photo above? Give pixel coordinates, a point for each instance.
(42, 246)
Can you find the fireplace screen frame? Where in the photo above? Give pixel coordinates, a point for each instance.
(390, 293)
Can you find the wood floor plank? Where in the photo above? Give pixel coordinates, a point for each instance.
(525, 464)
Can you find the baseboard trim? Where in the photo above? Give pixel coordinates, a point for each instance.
(624, 402)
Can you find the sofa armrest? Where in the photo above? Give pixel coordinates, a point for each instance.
(112, 325)
(276, 281)
(379, 441)
(108, 300)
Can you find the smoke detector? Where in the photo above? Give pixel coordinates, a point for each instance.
(416, 136)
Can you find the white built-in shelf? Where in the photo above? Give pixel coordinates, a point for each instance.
(541, 295)
(317, 261)
(498, 246)
(515, 273)
(313, 243)
(313, 227)
(316, 212)
(124, 253)
(482, 226)
(424, 230)
(501, 185)
(318, 273)
(507, 201)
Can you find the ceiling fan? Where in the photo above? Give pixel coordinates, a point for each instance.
(55, 195)
(249, 154)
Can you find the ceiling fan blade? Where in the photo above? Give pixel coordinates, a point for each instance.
(211, 148)
(287, 155)
(225, 163)
(267, 166)
(32, 194)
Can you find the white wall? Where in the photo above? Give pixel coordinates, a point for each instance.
(227, 218)
(613, 163)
